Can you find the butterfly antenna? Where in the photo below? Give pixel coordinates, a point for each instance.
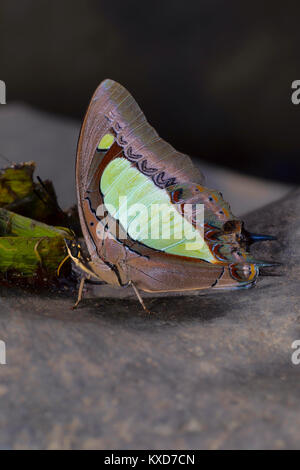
(61, 264)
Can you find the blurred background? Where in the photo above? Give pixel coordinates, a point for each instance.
(213, 77)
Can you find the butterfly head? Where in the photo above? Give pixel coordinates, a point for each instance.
(74, 250)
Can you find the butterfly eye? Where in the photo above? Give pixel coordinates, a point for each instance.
(105, 143)
(210, 198)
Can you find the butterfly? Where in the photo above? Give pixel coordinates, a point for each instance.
(123, 163)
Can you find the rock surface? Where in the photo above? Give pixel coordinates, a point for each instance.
(211, 371)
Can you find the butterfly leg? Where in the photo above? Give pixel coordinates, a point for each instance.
(139, 297)
(80, 291)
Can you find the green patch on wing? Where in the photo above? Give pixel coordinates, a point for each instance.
(106, 142)
(147, 214)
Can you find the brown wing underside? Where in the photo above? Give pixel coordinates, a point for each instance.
(112, 109)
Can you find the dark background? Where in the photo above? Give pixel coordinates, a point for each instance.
(214, 77)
